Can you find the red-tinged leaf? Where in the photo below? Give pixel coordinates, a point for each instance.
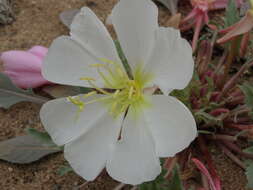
(242, 27)
(204, 170)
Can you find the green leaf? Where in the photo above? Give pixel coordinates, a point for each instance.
(175, 182)
(42, 136)
(25, 149)
(248, 150)
(232, 14)
(123, 58)
(201, 115)
(63, 170)
(249, 174)
(160, 183)
(10, 94)
(247, 89)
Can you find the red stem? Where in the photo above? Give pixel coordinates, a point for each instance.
(231, 156)
(209, 161)
(198, 25)
(239, 126)
(236, 149)
(230, 83)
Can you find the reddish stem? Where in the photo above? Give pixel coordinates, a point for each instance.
(239, 126)
(169, 165)
(222, 137)
(209, 161)
(219, 111)
(198, 25)
(235, 101)
(236, 149)
(230, 83)
(244, 44)
(231, 156)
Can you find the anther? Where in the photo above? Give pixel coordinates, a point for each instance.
(89, 94)
(106, 61)
(87, 78)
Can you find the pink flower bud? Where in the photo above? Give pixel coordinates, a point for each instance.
(24, 67)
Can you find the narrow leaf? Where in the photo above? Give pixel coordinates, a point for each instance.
(25, 149)
(175, 182)
(248, 150)
(42, 136)
(10, 94)
(232, 14)
(249, 174)
(247, 89)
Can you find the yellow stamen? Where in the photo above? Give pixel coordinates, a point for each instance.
(90, 94)
(127, 91)
(130, 93)
(77, 102)
(87, 78)
(107, 61)
(97, 65)
(116, 93)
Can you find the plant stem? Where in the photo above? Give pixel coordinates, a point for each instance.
(230, 83)
(209, 161)
(231, 56)
(236, 149)
(232, 156)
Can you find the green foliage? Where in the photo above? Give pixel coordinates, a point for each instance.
(202, 116)
(248, 150)
(10, 94)
(184, 94)
(160, 183)
(175, 182)
(26, 149)
(123, 58)
(249, 173)
(247, 89)
(42, 136)
(232, 14)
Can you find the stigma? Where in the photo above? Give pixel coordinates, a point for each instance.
(120, 90)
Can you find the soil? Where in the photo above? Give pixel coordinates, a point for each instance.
(37, 23)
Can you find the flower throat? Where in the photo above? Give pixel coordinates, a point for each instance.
(123, 91)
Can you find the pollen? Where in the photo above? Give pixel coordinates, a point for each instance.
(124, 91)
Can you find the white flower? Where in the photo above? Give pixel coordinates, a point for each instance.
(123, 130)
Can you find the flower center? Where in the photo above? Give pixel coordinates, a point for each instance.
(120, 90)
(251, 7)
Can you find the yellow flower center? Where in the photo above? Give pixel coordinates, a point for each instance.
(120, 90)
(251, 7)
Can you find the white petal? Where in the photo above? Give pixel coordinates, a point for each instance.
(135, 22)
(88, 154)
(91, 33)
(64, 123)
(133, 161)
(67, 61)
(171, 61)
(171, 124)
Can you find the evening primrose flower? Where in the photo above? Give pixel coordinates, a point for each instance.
(120, 126)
